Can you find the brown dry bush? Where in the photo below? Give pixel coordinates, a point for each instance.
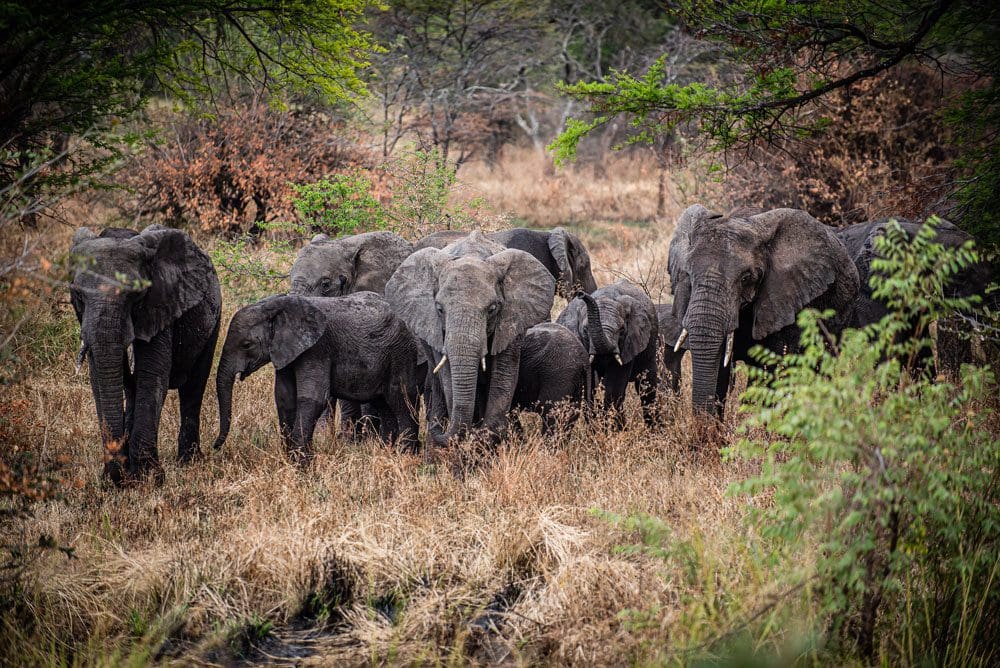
(228, 172)
(886, 153)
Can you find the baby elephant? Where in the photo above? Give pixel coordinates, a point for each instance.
(322, 349)
(553, 369)
(618, 326)
(673, 345)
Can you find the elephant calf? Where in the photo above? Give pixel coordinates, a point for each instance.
(673, 353)
(553, 369)
(323, 349)
(618, 325)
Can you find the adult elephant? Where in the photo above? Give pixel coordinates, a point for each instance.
(860, 240)
(741, 280)
(328, 267)
(158, 293)
(560, 251)
(471, 303)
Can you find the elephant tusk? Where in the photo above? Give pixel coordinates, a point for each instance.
(680, 340)
(618, 358)
(81, 357)
(483, 362)
(592, 358)
(440, 365)
(729, 349)
(130, 352)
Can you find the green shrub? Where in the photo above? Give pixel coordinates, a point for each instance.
(877, 502)
(893, 474)
(343, 204)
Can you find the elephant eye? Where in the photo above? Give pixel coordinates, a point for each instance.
(326, 282)
(747, 278)
(493, 308)
(246, 344)
(440, 309)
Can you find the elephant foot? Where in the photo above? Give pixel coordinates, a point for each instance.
(188, 455)
(300, 456)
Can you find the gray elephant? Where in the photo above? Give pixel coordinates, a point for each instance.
(328, 267)
(673, 354)
(553, 370)
(471, 304)
(562, 253)
(617, 325)
(860, 240)
(154, 293)
(739, 281)
(322, 348)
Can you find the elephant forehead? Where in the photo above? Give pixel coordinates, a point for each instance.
(101, 259)
(469, 275)
(726, 245)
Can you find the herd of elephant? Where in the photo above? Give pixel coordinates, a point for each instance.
(457, 320)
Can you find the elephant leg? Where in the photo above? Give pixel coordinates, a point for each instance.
(191, 394)
(152, 378)
(312, 387)
(437, 412)
(371, 417)
(645, 386)
(503, 382)
(284, 402)
(386, 420)
(672, 364)
(128, 382)
(350, 419)
(403, 408)
(722, 388)
(615, 386)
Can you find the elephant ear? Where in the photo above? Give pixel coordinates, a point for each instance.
(376, 257)
(559, 246)
(574, 318)
(640, 326)
(180, 274)
(528, 289)
(296, 326)
(81, 235)
(806, 261)
(677, 257)
(411, 290)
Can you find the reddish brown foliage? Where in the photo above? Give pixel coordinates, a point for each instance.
(887, 152)
(231, 172)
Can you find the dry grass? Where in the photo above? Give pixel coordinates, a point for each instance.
(371, 556)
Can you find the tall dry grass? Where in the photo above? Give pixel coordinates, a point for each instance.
(371, 556)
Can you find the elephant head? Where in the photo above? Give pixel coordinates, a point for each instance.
(614, 322)
(335, 267)
(469, 301)
(277, 330)
(752, 274)
(573, 262)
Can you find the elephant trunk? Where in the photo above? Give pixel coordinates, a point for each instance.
(708, 325)
(595, 328)
(107, 366)
(225, 378)
(465, 347)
